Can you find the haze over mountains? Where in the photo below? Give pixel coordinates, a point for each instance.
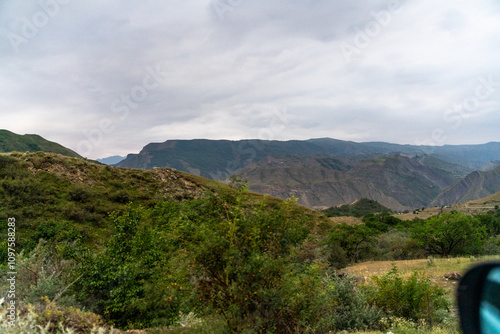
(329, 172)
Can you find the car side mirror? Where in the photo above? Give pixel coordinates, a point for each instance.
(478, 298)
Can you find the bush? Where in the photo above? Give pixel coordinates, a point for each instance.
(397, 245)
(492, 246)
(413, 299)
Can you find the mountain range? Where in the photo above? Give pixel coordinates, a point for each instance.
(328, 172)
(319, 172)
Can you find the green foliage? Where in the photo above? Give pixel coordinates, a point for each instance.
(241, 258)
(491, 222)
(451, 233)
(492, 246)
(216, 261)
(237, 182)
(404, 326)
(397, 245)
(122, 282)
(381, 221)
(357, 241)
(414, 299)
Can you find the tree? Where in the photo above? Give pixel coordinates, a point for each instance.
(357, 241)
(451, 233)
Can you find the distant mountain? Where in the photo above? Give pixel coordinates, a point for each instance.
(113, 160)
(395, 181)
(474, 186)
(217, 159)
(326, 172)
(10, 142)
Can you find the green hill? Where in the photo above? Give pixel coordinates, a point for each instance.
(11, 142)
(358, 209)
(40, 187)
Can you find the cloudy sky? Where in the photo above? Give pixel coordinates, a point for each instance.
(108, 77)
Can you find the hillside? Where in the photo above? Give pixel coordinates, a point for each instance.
(357, 209)
(474, 186)
(150, 248)
(10, 142)
(37, 187)
(483, 205)
(398, 182)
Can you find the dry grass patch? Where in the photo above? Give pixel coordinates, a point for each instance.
(435, 268)
(347, 220)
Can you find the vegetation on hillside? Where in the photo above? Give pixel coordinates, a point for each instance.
(161, 249)
(10, 142)
(359, 208)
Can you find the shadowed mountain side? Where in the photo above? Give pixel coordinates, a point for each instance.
(217, 159)
(474, 186)
(398, 182)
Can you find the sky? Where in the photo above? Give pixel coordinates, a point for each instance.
(108, 77)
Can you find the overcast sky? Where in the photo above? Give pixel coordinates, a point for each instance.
(108, 77)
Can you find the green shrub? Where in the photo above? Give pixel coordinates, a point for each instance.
(397, 245)
(414, 298)
(492, 246)
(130, 281)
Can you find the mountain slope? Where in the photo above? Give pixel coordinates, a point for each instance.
(398, 182)
(474, 186)
(217, 159)
(325, 172)
(42, 187)
(10, 142)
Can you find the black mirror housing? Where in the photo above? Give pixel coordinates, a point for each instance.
(478, 297)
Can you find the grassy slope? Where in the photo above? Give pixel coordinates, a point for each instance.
(10, 142)
(39, 187)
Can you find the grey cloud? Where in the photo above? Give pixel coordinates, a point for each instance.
(225, 77)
